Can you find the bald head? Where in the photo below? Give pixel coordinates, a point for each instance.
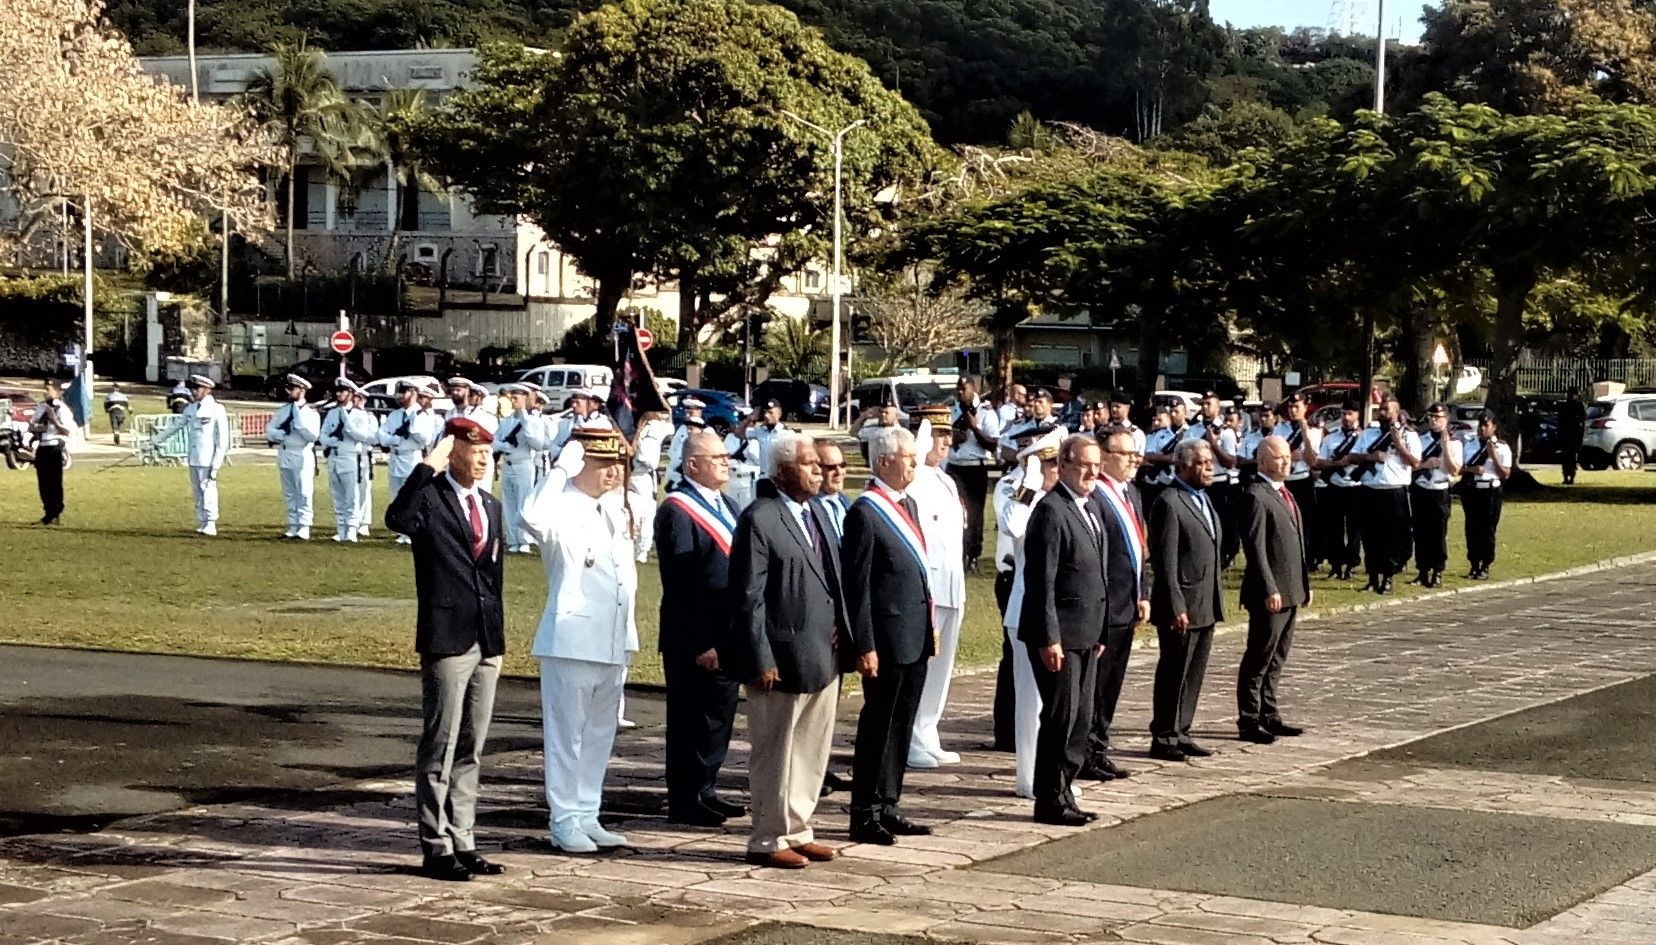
(1276, 458)
(705, 461)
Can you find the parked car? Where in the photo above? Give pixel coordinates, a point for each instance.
(382, 394)
(722, 413)
(1621, 432)
(22, 404)
(1191, 400)
(321, 372)
(800, 400)
(561, 380)
(1223, 385)
(1332, 392)
(907, 391)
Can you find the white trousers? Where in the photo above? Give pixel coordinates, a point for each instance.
(1026, 714)
(517, 480)
(396, 486)
(205, 486)
(935, 695)
(365, 494)
(578, 706)
(298, 493)
(342, 485)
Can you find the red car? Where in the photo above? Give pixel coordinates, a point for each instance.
(22, 403)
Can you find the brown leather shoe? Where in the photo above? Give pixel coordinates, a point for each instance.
(816, 852)
(780, 860)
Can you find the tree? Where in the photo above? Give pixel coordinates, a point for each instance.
(307, 114)
(658, 143)
(794, 349)
(80, 120)
(914, 326)
(389, 127)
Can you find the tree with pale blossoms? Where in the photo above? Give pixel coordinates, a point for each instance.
(81, 121)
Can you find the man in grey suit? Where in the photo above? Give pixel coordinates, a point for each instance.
(1062, 623)
(789, 619)
(1275, 585)
(1186, 600)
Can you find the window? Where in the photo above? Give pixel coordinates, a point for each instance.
(425, 251)
(488, 261)
(813, 279)
(1643, 410)
(554, 379)
(425, 72)
(543, 263)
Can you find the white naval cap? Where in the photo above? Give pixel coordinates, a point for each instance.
(294, 380)
(693, 403)
(514, 388)
(202, 380)
(591, 393)
(1046, 447)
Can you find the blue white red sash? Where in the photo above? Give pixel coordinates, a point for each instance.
(1129, 525)
(898, 518)
(707, 518)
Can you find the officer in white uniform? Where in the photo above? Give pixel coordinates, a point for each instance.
(208, 427)
(1339, 491)
(757, 438)
(408, 434)
(1393, 450)
(365, 469)
(1040, 475)
(653, 430)
(591, 536)
(1120, 414)
(294, 430)
(693, 422)
(518, 443)
(1304, 441)
(943, 526)
(346, 433)
(585, 413)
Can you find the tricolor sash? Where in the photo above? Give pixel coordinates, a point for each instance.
(1136, 549)
(707, 518)
(898, 518)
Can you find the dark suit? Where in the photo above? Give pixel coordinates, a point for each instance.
(696, 609)
(1126, 584)
(889, 601)
(1274, 539)
(1184, 550)
(460, 636)
(1066, 597)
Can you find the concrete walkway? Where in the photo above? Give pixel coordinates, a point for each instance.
(1366, 682)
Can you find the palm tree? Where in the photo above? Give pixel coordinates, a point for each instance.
(398, 110)
(794, 349)
(308, 114)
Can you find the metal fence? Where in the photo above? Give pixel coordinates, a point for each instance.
(1555, 376)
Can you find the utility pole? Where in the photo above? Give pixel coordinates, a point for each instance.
(1380, 61)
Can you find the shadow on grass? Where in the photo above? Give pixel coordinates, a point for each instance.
(1585, 493)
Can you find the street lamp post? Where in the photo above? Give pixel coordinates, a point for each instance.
(838, 138)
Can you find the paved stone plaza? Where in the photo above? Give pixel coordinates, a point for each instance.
(1577, 814)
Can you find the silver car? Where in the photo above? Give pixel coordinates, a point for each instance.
(1621, 432)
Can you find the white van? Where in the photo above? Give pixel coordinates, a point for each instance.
(907, 391)
(561, 380)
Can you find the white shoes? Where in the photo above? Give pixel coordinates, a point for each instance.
(605, 839)
(209, 529)
(292, 532)
(404, 540)
(362, 532)
(344, 536)
(303, 534)
(625, 723)
(570, 838)
(947, 757)
(923, 759)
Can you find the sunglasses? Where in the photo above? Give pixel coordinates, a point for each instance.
(832, 467)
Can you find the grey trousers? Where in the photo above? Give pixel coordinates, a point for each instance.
(1269, 638)
(457, 694)
(1180, 669)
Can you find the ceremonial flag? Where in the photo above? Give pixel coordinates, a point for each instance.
(632, 390)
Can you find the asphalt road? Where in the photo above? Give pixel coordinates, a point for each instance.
(91, 737)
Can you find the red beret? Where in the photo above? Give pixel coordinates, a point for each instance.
(467, 431)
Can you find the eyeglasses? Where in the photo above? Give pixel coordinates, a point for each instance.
(712, 457)
(832, 467)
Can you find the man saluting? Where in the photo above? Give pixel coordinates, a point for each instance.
(460, 635)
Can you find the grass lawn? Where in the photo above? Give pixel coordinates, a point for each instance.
(126, 571)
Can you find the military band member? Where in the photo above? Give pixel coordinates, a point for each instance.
(1275, 585)
(1440, 464)
(694, 526)
(591, 534)
(1392, 450)
(755, 434)
(1127, 563)
(519, 441)
(469, 398)
(365, 468)
(454, 524)
(977, 432)
(943, 526)
(1020, 435)
(1039, 476)
(294, 430)
(346, 433)
(1304, 440)
(1339, 493)
(586, 412)
(693, 423)
(1488, 464)
(207, 426)
(649, 437)
(1185, 600)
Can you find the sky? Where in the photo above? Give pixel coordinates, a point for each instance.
(1402, 16)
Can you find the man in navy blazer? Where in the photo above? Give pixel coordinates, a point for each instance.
(1118, 505)
(456, 528)
(888, 598)
(694, 527)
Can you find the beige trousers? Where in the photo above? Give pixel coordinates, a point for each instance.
(791, 735)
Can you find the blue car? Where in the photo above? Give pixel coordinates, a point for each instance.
(723, 412)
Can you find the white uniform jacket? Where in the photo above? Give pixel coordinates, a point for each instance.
(293, 428)
(943, 525)
(208, 427)
(409, 434)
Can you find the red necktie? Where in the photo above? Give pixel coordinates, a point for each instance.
(476, 524)
(1293, 507)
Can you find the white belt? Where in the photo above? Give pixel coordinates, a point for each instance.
(1485, 484)
(1299, 476)
(1432, 485)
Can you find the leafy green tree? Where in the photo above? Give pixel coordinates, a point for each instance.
(794, 349)
(389, 143)
(658, 143)
(305, 111)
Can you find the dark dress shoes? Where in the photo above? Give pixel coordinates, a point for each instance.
(900, 826)
(1255, 734)
(694, 815)
(1283, 729)
(778, 860)
(1385, 586)
(444, 867)
(1061, 817)
(477, 865)
(1193, 750)
(832, 782)
(1162, 752)
(722, 807)
(1102, 769)
(869, 831)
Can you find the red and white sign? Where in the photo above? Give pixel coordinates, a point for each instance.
(342, 342)
(646, 338)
